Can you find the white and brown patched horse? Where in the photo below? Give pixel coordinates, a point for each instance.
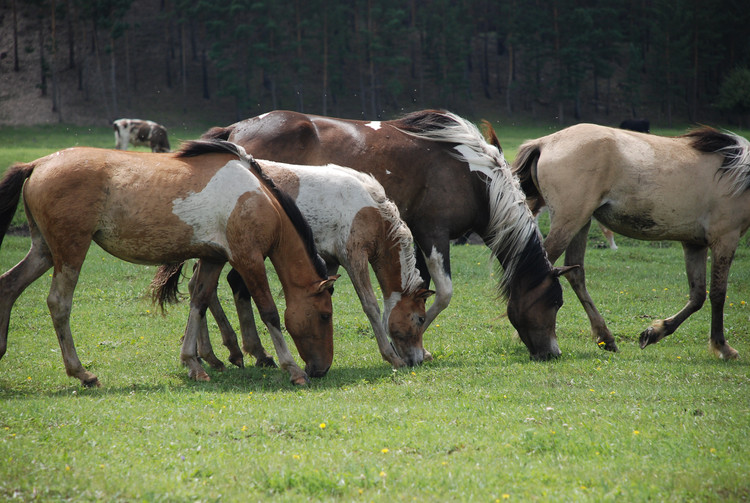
(353, 224)
(140, 133)
(446, 180)
(694, 189)
(209, 201)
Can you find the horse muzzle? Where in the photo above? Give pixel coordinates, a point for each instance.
(314, 370)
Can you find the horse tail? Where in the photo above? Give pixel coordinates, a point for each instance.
(164, 285)
(218, 133)
(524, 167)
(734, 148)
(10, 193)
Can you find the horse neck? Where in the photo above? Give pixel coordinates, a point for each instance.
(291, 261)
(395, 265)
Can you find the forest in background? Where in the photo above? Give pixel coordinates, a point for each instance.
(557, 61)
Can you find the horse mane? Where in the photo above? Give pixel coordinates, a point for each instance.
(195, 148)
(734, 148)
(218, 133)
(512, 229)
(411, 280)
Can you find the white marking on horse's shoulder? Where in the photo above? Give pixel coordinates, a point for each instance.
(468, 153)
(375, 125)
(387, 172)
(207, 211)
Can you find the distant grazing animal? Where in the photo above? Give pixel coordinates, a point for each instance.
(640, 125)
(446, 180)
(209, 201)
(693, 188)
(140, 134)
(353, 223)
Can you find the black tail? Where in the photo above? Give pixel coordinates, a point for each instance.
(164, 285)
(10, 193)
(524, 167)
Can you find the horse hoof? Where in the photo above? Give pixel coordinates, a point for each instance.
(725, 352)
(266, 361)
(647, 337)
(302, 380)
(608, 346)
(237, 362)
(199, 375)
(427, 356)
(92, 382)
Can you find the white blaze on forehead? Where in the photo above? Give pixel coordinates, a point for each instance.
(207, 211)
(388, 305)
(375, 125)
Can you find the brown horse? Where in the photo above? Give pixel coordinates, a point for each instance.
(446, 180)
(693, 188)
(163, 208)
(353, 224)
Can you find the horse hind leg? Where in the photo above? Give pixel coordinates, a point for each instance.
(695, 268)
(250, 340)
(60, 302)
(722, 255)
(17, 279)
(206, 279)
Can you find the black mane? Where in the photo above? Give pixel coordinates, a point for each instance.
(709, 140)
(196, 148)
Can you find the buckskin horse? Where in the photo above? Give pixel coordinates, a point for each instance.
(353, 224)
(693, 188)
(157, 209)
(446, 180)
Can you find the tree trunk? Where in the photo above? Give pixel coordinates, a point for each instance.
(16, 67)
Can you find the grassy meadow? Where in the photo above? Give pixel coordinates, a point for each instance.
(481, 422)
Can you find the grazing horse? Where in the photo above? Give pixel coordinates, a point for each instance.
(446, 180)
(140, 134)
(353, 223)
(157, 216)
(640, 125)
(694, 188)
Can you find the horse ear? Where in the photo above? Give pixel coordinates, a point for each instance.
(326, 284)
(424, 294)
(490, 136)
(562, 271)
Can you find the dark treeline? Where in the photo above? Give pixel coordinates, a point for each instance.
(566, 60)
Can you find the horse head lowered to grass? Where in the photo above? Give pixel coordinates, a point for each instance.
(353, 224)
(694, 189)
(446, 180)
(209, 201)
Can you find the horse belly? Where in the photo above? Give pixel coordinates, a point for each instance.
(650, 224)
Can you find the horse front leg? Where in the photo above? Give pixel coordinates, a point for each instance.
(260, 291)
(574, 255)
(360, 277)
(60, 302)
(722, 255)
(206, 279)
(250, 339)
(695, 268)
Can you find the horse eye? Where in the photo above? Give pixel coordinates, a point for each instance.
(420, 320)
(325, 317)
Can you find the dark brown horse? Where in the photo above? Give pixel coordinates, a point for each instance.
(694, 189)
(209, 201)
(446, 180)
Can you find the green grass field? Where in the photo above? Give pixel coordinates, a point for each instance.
(479, 423)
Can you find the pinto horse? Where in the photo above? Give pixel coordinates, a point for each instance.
(156, 209)
(353, 223)
(694, 188)
(446, 180)
(140, 133)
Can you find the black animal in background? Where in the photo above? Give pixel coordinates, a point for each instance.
(640, 125)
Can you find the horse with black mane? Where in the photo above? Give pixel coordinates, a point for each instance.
(446, 180)
(209, 201)
(693, 188)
